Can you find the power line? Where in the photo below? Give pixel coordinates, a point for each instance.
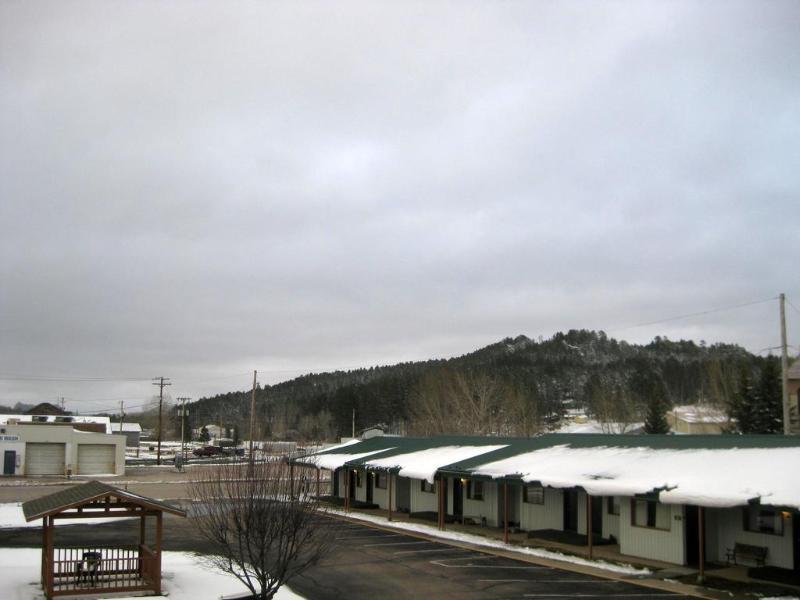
(697, 314)
(789, 302)
(77, 379)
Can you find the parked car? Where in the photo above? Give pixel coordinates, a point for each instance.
(233, 451)
(208, 451)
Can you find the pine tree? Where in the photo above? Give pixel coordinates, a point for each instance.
(655, 420)
(769, 400)
(757, 406)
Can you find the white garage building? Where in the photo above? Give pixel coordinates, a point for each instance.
(35, 449)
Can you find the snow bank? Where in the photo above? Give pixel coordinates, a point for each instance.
(185, 577)
(423, 464)
(715, 478)
(477, 540)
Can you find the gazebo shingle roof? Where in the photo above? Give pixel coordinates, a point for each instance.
(83, 494)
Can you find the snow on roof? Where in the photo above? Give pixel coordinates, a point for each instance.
(423, 464)
(707, 477)
(126, 427)
(56, 419)
(335, 460)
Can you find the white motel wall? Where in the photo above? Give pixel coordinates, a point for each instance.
(647, 519)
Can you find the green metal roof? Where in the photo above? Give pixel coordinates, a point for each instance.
(394, 446)
(599, 440)
(80, 495)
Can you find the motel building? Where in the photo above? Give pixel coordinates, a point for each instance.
(682, 500)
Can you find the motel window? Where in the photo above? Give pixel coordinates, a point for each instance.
(475, 490)
(533, 494)
(763, 520)
(612, 502)
(649, 513)
(427, 487)
(380, 480)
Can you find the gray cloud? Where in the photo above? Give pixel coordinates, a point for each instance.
(200, 189)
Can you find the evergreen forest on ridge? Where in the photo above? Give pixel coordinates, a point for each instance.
(517, 386)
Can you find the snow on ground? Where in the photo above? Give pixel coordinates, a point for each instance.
(11, 516)
(184, 577)
(729, 477)
(423, 464)
(591, 426)
(477, 540)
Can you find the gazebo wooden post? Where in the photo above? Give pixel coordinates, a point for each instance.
(50, 570)
(390, 495)
(44, 553)
(142, 540)
(159, 532)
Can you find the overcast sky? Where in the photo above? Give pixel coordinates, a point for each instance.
(197, 190)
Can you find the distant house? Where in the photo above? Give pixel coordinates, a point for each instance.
(794, 395)
(132, 431)
(215, 431)
(45, 408)
(698, 418)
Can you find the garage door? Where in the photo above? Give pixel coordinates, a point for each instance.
(96, 459)
(44, 459)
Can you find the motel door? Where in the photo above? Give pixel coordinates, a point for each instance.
(571, 510)
(458, 498)
(9, 462)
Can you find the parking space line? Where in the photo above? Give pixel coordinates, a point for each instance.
(608, 595)
(396, 544)
(526, 568)
(370, 537)
(423, 551)
(476, 557)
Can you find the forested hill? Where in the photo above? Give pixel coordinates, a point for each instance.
(516, 386)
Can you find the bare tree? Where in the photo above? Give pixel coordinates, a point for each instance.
(454, 402)
(264, 530)
(611, 404)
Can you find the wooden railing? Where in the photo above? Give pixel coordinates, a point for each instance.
(86, 570)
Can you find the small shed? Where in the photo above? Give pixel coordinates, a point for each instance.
(69, 570)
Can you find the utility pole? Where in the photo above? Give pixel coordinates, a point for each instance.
(160, 382)
(184, 412)
(252, 418)
(121, 414)
(787, 426)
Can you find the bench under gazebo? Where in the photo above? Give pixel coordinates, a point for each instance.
(91, 568)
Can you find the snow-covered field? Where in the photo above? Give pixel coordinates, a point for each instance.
(184, 577)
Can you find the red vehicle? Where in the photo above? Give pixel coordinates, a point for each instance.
(208, 451)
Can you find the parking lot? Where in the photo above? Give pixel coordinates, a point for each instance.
(370, 562)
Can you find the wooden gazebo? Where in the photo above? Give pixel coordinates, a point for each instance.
(92, 568)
